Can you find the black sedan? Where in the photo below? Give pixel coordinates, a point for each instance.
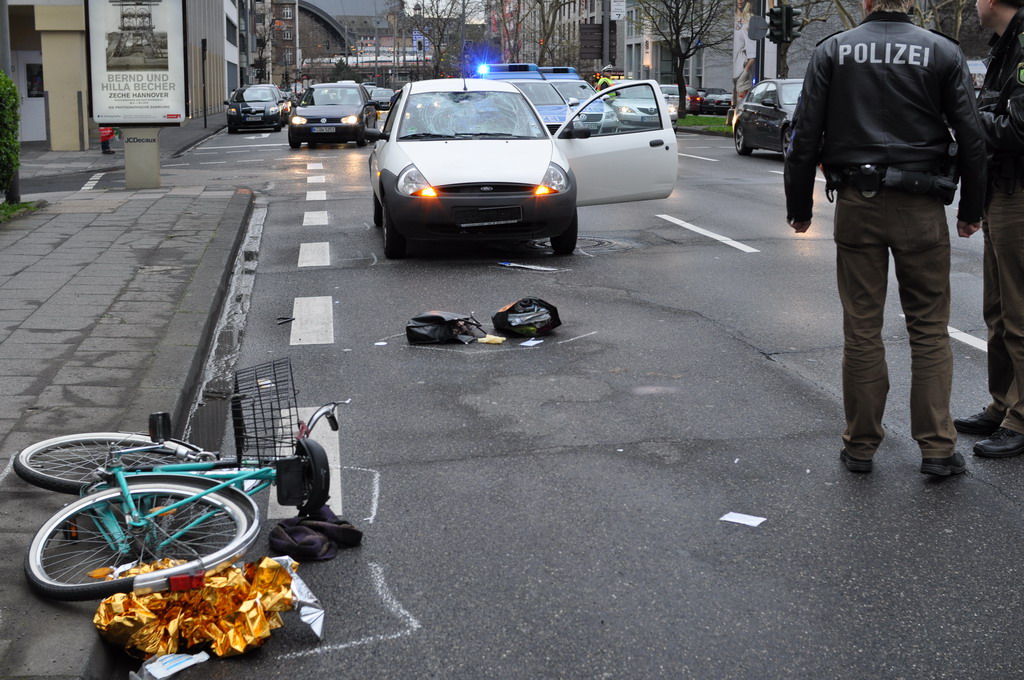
(383, 96)
(765, 117)
(254, 107)
(332, 113)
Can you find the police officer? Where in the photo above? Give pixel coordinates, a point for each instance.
(874, 110)
(1002, 421)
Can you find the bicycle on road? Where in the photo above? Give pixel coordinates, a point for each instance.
(151, 499)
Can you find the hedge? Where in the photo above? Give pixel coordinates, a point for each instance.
(10, 148)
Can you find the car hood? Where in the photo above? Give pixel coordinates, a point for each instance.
(328, 111)
(444, 162)
(553, 113)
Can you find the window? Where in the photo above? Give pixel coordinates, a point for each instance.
(286, 35)
(288, 56)
(232, 32)
(286, 12)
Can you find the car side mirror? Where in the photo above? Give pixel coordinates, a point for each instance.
(573, 101)
(374, 135)
(227, 103)
(768, 101)
(575, 131)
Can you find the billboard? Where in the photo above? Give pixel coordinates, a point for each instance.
(137, 61)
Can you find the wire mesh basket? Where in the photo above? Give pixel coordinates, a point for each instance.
(264, 414)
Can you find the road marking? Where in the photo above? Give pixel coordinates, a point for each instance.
(314, 218)
(718, 237)
(316, 195)
(330, 440)
(314, 166)
(964, 337)
(174, 165)
(247, 160)
(240, 146)
(260, 136)
(243, 151)
(315, 254)
(780, 172)
(88, 186)
(212, 162)
(314, 321)
(700, 158)
(316, 179)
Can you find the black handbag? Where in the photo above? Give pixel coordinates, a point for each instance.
(437, 326)
(529, 316)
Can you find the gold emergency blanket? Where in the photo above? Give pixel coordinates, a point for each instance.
(234, 611)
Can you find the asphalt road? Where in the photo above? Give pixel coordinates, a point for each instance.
(555, 511)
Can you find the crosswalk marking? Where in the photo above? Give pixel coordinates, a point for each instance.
(314, 218)
(316, 195)
(313, 321)
(330, 440)
(314, 254)
(316, 179)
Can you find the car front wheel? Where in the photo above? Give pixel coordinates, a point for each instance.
(565, 243)
(394, 243)
(741, 145)
(378, 212)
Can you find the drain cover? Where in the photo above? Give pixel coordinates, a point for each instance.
(589, 244)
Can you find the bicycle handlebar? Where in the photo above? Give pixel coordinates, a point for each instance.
(325, 411)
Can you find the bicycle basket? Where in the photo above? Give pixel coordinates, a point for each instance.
(264, 414)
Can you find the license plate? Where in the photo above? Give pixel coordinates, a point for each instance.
(323, 129)
(592, 126)
(485, 217)
(648, 119)
(254, 119)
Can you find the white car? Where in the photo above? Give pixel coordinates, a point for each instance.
(464, 159)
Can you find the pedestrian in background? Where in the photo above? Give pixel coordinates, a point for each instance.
(1002, 421)
(106, 134)
(887, 156)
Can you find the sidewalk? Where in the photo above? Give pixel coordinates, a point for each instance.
(107, 304)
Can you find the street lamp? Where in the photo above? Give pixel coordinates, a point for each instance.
(417, 12)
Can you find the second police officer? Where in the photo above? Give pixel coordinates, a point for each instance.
(874, 110)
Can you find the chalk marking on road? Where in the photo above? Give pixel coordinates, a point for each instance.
(212, 162)
(780, 172)
(316, 179)
(375, 499)
(88, 186)
(704, 232)
(585, 335)
(314, 254)
(314, 218)
(332, 447)
(314, 321)
(314, 166)
(700, 158)
(390, 603)
(964, 337)
(316, 195)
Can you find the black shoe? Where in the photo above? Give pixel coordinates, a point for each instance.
(979, 423)
(953, 465)
(855, 464)
(1003, 443)
(109, 151)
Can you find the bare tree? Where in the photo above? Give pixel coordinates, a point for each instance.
(946, 16)
(548, 15)
(261, 56)
(514, 27)
(814, 12)
(441, 24)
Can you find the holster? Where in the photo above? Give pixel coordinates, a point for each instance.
(912, 182)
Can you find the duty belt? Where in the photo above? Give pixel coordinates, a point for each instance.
(910, 178)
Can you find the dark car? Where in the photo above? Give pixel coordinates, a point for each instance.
(764, 118)
(716, 101)
(383, 96)
(332, 113)
(254, 107)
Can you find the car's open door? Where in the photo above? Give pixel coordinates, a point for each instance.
(633, 160)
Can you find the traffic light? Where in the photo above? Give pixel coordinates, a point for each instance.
(777, 24)
(793, 24)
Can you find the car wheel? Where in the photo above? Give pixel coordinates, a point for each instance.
(565, 243)
(378, 216)
(361, 137)
(741, 146)
(394, 243)
(295, 144)
(277, 128)
(787, 134)
(232, 130)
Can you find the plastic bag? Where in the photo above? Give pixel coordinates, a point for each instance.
(530, 316)
(437, 326)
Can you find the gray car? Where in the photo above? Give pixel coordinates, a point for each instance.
(764, 119)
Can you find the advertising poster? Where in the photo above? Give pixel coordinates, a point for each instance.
(137, 61)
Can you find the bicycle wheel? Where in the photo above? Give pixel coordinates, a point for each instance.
(91, 537)
(66, 464)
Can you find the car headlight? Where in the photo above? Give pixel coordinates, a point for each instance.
(273, 109)
(625, 109)
(232, 110)
(350, 120)
(298, 120)
(411, 182)
(673, 108)
(555, 181)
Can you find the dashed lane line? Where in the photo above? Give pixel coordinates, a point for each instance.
(314, 218)
(330, 440)
(700, 158)
(314, 166)
(315, 254)
(710, 234)
(316, 179)
(313, 321)
(316, 195)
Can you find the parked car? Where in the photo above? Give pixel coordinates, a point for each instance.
(671, 93)
(717, 101)
(255, 106)
(599, 116)
(550, 104)
(765, 117)
(382, 97)
(634, 112)
(332, 113)
(470, 159)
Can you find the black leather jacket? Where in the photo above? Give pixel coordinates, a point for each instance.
(883, 93)
(1003, 134)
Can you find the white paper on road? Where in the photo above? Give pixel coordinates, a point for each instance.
(740, 518)
(531, 342)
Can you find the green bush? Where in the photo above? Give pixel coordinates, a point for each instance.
(10, 149)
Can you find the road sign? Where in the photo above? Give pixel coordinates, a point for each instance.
(618, 10)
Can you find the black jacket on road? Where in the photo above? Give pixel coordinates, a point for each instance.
(877, 94)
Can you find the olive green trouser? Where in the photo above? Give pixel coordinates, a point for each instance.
(1003, 307)
(914, 229)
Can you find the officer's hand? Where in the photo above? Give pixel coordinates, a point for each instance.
(800, 226)
(965, 229)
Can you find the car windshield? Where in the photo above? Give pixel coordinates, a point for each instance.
(541, 93)
(468, 115)
(382, 93)
(580, 89)
(791, 93)
(673, 90)
(254, 94)
(331, 96)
